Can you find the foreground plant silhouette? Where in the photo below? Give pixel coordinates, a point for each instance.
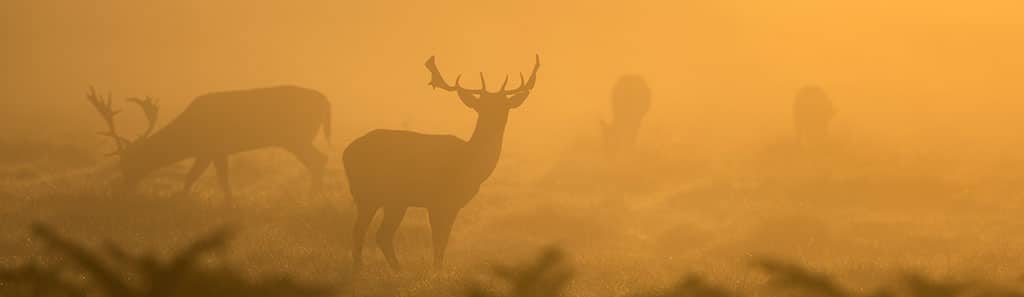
(115, 273)
(549, 276)
(129, 275)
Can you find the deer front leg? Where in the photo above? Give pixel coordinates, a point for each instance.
(198, 167)
(441, 222)
(221, 164)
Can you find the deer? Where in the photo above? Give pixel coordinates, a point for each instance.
(216, 125)
(394, 170)
(813, 112)
(631, 100)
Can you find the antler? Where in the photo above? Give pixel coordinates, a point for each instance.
(151, 108)
(437, 81)
(107, 112)
(524, 85)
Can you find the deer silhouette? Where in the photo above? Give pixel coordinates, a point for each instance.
(812, 113)
(631, 100)
(216, 125)
(395, 170)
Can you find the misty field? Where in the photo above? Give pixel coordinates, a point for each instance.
(872, 219)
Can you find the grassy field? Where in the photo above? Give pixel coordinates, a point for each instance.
(867, 218)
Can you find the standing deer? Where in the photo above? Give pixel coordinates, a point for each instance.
(812, 113)
(631, 100)
(216, 125)
(395, 170)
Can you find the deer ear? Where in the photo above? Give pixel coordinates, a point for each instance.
(518, 99)
(468, 99)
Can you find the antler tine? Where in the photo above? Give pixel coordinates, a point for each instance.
(106, 110)
(151, 108)
(503, 84)
(528, 84)
(483, 83)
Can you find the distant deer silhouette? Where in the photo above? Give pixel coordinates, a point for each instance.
(812, 113)
(631, 100)
(395, 170)
(216, 125)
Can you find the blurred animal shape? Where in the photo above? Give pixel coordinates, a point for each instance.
(631, 100)
(216, 125)
(394, 170)
(812, 114)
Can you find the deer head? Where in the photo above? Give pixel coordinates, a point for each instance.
(481, 100)
(124, 147)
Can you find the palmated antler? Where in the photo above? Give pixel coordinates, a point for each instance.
(437, 81)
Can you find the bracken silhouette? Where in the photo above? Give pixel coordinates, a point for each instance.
(126, 275)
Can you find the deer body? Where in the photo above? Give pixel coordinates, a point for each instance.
(394, 170)
(631, 100)
(813, 111)
(216, 125)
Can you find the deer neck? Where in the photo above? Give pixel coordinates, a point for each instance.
(153, 153)
(485, 144)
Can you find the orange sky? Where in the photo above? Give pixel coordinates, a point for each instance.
(931, 73)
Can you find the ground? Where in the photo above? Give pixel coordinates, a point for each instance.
(626, 226)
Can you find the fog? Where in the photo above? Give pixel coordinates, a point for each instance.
(920, 89)
(914, 73)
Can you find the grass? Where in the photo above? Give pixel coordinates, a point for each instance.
(656, 225)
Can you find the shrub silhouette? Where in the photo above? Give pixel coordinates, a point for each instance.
(130, 276)
(547, 276)
(692, 286)
(115, 273)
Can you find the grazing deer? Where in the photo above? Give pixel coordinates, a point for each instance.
(395, 170)
(216, 125)
(812, 113)
(631, 100)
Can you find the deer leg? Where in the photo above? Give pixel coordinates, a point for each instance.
(221, 164)
(314, 160)
(441, 222)
(198, 166)
(386, 234)
(364, 214)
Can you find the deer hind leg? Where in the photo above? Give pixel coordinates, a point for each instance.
(441, 222)
(386, 234)
(314, 160)
(198, 167)
(364, 214)
(221, 164)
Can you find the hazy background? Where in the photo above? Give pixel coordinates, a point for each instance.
(912, 73)
(923, 168)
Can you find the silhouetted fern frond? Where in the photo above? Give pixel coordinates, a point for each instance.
(798, 279)
(547, 276)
